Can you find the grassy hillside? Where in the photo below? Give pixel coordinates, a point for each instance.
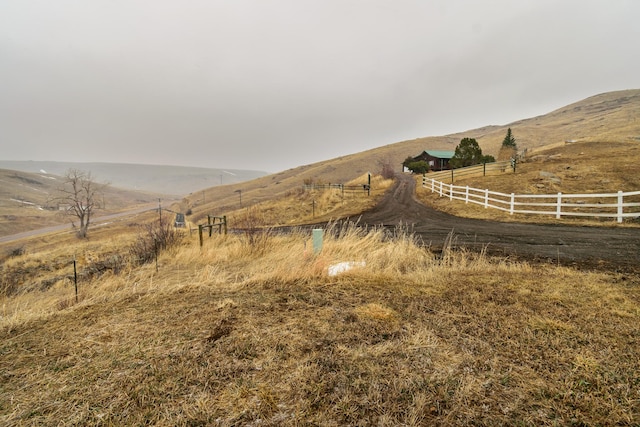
(570, 168)
(606, 118)
(26, 201)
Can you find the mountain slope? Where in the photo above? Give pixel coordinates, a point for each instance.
(606, 117)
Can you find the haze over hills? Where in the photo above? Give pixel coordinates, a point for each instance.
(168, 180)
(612, 116)
(604, 118)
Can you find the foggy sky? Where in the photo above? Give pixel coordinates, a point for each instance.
(274, 84)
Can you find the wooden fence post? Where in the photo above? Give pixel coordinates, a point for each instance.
(224, 218)
(200, 234)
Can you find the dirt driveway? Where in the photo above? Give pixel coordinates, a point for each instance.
(611, 248)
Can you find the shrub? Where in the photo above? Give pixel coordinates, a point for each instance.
(418, 167)
(386, 169)
(154, 238)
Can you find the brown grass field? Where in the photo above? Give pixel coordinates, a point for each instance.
(255, 332)
(575, 168)
(251, 329)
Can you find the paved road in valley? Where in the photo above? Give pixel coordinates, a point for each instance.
(66, 227)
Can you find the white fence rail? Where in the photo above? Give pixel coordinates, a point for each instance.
(618, 205)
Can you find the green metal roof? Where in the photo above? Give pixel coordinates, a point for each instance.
(441, 154)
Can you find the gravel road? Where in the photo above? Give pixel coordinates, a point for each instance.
(610, 248)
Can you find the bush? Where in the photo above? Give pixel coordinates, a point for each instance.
(16, 252)
(386, 169)
(418, 167)
(253, 225)
(154, 238)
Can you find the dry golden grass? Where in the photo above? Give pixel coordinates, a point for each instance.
(573, 170)
(227, 335)
(302, 207)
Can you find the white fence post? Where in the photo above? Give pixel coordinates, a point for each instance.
(433, 185)
(466, 196)
(620, 209)
(486, 198)
(513, 197)
(559, 206)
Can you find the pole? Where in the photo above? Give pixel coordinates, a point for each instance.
(75, 278)
(160, 211)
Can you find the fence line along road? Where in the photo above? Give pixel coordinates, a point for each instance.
(484, 169)
(618, 205)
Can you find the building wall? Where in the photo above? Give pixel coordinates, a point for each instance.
(435, 163)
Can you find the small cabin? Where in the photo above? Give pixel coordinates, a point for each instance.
(437, 160)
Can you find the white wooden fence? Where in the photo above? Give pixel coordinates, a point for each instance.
(618, 205)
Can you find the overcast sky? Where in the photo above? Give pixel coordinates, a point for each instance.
(274, 84)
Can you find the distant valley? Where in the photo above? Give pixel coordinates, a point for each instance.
(168, 180)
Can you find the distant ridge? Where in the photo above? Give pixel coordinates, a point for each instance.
(170, 180)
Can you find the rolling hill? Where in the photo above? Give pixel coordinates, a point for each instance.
(608, 117)
(168, 180)
(605, 118)
(27, 200)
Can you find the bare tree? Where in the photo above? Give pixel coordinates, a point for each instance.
(78, 195)
(386, 168)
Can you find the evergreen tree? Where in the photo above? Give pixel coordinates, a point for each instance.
(509, 140)
(467, 153)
